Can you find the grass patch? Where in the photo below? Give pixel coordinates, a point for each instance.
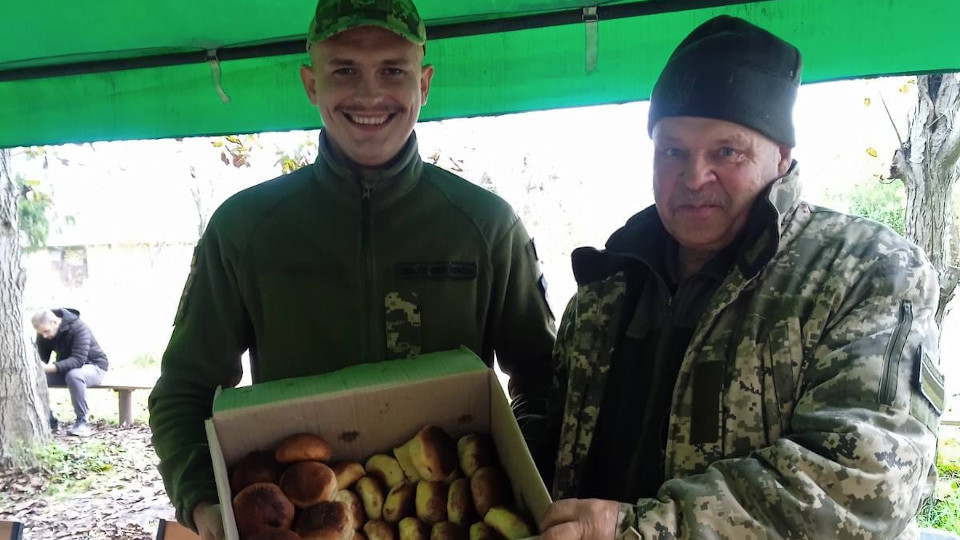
(942, 510)
(145, 361)
(73, 469)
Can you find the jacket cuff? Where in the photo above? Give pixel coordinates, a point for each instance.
(191, 501)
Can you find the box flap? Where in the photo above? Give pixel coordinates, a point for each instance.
(428, 366)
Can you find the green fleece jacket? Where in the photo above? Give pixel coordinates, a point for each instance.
(332, 266)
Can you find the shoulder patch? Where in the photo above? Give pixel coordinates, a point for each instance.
(930, 381)
(532, 247)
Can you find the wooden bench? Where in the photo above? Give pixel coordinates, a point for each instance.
(124, 392)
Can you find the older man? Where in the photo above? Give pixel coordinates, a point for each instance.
(738, 363)
(368, 255)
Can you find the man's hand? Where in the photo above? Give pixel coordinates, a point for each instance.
(49, 369)
(580, 519)
(209, 522)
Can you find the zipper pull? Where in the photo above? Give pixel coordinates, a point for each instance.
(366, 193)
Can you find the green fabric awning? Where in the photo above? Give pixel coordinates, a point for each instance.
(495, 69)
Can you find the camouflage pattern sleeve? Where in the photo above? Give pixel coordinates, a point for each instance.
(857, 457)
(558, 390)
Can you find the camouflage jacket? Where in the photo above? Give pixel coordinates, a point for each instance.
(330, 266)
(824, 347)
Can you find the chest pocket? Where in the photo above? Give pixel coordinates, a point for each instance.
(402, 318)
(782, 357)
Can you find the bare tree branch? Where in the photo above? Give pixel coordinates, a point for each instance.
(892, 123)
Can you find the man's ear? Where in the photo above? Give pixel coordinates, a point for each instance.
(786, 159)
(426, 75)
(309, 83)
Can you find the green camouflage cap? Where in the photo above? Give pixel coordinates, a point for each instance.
(398, 16)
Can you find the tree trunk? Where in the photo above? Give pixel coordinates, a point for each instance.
(927, 164)
(23, 422)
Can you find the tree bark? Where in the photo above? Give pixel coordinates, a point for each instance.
(927, 164)
(23, 422)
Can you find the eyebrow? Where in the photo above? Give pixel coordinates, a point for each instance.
(387, 62)
(668, 139)
(733, 138)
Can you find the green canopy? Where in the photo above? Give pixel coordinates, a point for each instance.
(121, 69)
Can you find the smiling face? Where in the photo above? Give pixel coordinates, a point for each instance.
(369, 85)
(706, 175)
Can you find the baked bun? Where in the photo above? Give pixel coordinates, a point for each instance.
(508, 523)
(347, 473)
(475, 451)
(399, 502)
(431, 501)
(329, 520)
(275, 534)
(448, 531)
(402, 453)
(460, 509)
(489, 487)
(379, 530)
(482, 531)
(308, 483)
(432, 453)
(354, 506)
(261, 506)
(412, 528)
(386, 469)
(303, 447)
(371, 493)
(257, 466)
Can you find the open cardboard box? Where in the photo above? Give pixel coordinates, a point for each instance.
(372, 408)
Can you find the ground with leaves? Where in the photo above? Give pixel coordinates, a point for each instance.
(105, 487)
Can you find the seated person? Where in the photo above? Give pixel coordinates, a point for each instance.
(80, 362)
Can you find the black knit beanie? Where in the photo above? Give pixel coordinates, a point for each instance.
(729, 69)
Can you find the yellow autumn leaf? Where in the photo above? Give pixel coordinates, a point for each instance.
(866, 102)
(216, 144)
(872, 151)
(905, 88)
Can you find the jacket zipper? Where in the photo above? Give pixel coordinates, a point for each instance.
(366, 255)
(894, 352)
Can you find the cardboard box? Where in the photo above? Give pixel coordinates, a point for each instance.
(371, 408)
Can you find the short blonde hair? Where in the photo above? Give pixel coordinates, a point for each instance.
(44, 318)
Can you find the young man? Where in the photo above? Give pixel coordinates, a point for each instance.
(80, 362)
(368, 255)
(738, 363)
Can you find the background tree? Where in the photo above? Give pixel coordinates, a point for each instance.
(927, 164)
(32, 212)
(23, 422)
